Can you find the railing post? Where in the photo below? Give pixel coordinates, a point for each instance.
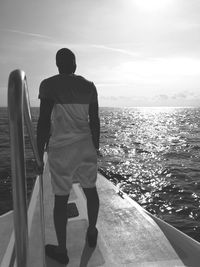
(29, 125)
(15, 113)
(18, 108)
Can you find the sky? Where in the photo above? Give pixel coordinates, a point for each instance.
(137, 52)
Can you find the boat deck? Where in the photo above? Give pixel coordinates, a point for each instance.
(127, 235)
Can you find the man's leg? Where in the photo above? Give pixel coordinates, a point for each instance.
(92, 206)
(60, 220)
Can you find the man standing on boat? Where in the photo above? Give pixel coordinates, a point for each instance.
(69, 124)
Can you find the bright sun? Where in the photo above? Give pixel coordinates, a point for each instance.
(152, 5)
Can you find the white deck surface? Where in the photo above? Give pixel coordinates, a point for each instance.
(127, 236)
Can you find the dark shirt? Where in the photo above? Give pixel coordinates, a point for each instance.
(68, 111)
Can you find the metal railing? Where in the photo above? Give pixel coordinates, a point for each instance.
(18, 109)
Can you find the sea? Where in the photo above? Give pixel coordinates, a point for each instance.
(150, 153)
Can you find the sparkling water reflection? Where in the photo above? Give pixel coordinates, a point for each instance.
(153, 155)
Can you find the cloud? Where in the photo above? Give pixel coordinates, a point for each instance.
(185, 25)
(83, 46)
(179, 95)
(113, 49)
(110, 98)
(26, 33)
(157, 72)
(185, 98)
(162, 97)
(110, 84)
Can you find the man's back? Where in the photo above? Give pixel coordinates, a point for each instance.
(71, 95)
(69, 113)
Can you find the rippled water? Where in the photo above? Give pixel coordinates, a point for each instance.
(153, 155)
(150, 153)
(5, 165)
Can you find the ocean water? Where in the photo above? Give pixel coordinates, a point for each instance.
(5, 164)
(152, 154)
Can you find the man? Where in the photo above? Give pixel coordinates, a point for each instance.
(69, 125)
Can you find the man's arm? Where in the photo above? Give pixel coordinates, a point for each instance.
(44, 125)
(94, 122)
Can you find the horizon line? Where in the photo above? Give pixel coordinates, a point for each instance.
(130, 106)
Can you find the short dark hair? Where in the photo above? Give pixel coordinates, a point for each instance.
(66, 60)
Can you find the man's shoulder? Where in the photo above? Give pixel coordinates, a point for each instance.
(58, 77)
(70, 80)
(50, 79)
(46, 87)
(83, 79)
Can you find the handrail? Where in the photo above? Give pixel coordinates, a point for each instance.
(18, 108)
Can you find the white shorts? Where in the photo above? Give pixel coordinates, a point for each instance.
(77, 161)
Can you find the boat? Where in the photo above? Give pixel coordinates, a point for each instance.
(129, 236)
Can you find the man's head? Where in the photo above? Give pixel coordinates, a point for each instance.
(66, 61)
